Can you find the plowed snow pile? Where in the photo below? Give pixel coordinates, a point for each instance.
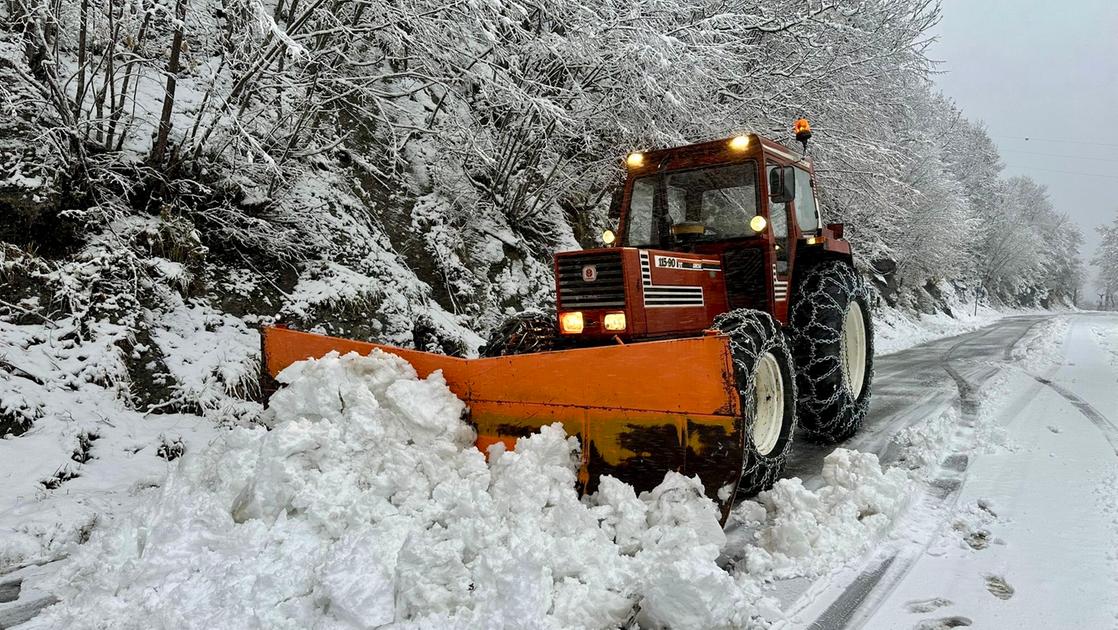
(1042, 347)
(806, 533)
(367, 504)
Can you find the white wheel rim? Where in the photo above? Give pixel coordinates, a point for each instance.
(854, 350)
(769, 397)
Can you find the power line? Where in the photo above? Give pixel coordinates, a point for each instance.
(1059, 155)
(1053, 170)
(1035, 139)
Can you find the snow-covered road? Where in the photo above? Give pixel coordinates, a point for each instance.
(1018, 523)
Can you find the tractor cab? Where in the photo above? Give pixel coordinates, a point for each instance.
(703, 229)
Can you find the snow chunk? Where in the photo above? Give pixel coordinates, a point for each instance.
(809, 532)
(1042, 347)
(923, 444)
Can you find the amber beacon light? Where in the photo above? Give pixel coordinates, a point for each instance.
(802, 129)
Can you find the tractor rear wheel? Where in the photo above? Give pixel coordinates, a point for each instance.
(832, 338)
(523, 333)
(767, 389)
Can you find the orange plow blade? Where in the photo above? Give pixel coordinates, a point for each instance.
(639, 410)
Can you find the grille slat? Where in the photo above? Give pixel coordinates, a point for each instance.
(606, 291)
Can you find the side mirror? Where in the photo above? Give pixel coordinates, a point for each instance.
(782, 184)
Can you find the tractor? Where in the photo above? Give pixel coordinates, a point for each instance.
(722, 319)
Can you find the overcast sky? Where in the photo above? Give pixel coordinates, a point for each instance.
(1045, 70)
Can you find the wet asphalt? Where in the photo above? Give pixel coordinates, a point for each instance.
(917, 384)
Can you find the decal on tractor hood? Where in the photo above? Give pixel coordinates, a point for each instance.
(668, 295)
(690, 264)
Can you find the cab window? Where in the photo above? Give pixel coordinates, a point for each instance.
(723, 199)
(807, 215)
(778, 222)
(640, 210)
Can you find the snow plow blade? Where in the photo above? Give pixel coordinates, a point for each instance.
(639, 410)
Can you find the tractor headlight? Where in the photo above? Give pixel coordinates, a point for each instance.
(635, 159)
(758, 223)
(608, 237)
(614, 321)
(571, 323)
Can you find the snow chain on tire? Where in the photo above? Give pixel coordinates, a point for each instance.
(523, 333)
(828, 410)
(753, 334)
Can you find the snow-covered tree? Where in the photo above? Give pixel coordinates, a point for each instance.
(1106, 262)
(386, 167)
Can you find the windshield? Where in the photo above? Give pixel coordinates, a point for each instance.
(721, 199)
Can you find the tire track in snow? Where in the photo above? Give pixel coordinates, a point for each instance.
(1109, 429)
(874, 584)
(843, 608)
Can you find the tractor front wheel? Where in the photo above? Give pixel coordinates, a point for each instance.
(523, 333)
(767, 389)
(832, 338)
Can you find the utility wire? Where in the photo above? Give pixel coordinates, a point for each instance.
(1059, 155)
(1052, 170)
(1034, 139)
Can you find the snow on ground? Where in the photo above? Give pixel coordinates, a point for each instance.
(805, 533)
(1042, 347)
(86, 455)
(873, 510)
(1030, 542)
(1107, 339)
(89, 454)
(935, 453)
(896, 330)
(213, 357)
(367, 504)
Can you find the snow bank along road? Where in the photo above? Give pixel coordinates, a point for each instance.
(1017, 524)
(995, 504)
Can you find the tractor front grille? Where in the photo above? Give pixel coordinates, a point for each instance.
(605, 290)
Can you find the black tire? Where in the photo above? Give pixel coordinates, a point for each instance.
(829, 410)
(753, 334)
(523, 333)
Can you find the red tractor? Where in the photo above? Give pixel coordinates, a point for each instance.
(722, 316)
